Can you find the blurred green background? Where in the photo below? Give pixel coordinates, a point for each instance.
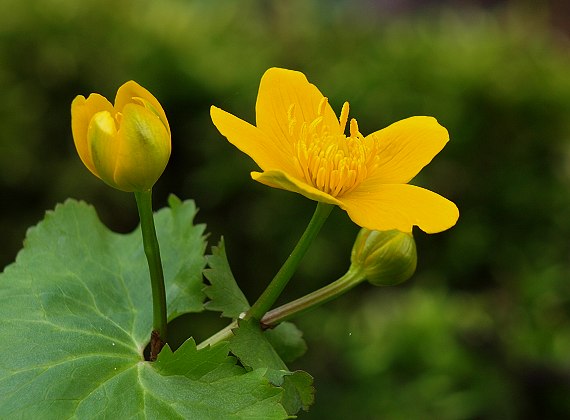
(482, 331)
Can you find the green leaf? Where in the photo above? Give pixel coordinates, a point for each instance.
(75, 316)
(182, 246)
(224, 293)
(208, 364)
(298, 391)
(253, 349)
(287, 340)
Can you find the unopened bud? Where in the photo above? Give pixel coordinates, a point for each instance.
(127, 144)
(387, 257)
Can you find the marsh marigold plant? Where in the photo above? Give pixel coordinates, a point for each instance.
(301, 146)
(127, 144)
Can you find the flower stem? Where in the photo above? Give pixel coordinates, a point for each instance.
(152, 252)
(314, 299)
(270, 295)
(223, 335)
(292, 309)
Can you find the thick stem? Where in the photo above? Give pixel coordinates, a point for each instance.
(313, 300)
(270, 295)
(152, 252)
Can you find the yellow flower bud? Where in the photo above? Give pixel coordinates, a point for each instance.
(127, 145)
(387, 257)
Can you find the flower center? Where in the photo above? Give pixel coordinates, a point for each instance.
(332, 162)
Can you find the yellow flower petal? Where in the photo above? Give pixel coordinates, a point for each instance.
(400, 206)
(302, 147)
(253, 142)
(101, 136)
(405, 147)
(143, 149)
(132, 89)
(82, 111)
(285, 101)
(278, 179)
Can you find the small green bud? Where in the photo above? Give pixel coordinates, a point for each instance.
(386, 257)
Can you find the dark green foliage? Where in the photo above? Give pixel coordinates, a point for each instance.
(496, 339)
(76, 317)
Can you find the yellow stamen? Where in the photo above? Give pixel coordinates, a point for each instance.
(333, 163)
(343, 117)
(354, 128)
(322, 105)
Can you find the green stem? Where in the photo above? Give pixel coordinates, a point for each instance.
(292, 309)
(152, 252)
(222, 335)
(314, 299)
(270, 295)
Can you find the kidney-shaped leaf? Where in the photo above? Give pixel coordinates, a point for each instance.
(75, 317)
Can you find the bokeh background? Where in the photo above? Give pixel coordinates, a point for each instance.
(482, 331)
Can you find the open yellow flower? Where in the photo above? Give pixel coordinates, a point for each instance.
(301, 146)
(126, 145)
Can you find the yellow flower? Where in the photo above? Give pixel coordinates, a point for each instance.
(126, 145)
(300, 146)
